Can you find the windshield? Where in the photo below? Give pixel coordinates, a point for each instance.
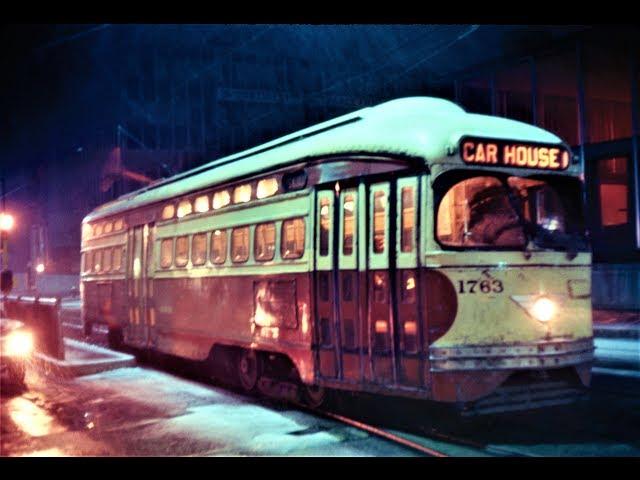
(508, 212)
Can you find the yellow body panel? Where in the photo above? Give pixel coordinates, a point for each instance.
(496, 317)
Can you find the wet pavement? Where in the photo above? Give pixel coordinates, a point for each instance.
(145, 412)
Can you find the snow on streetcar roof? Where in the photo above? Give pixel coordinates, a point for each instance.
(413, 126)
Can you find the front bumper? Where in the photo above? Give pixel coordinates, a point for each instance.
(543, 355)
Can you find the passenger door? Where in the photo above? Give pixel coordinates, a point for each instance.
(136, 333)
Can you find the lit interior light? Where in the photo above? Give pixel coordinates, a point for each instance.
(242, 193)
(221, 199)
(202, 204)
(324, 210)
(184, 208)
(348, 206)
(19, 344)
(267, 188)
(40, 268)
(544, 309)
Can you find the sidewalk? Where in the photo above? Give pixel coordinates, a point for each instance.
(82, 359)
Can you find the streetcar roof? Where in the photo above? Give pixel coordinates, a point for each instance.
(414, 126)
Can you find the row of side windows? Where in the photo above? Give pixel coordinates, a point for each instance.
(234, 243)
(103, 260)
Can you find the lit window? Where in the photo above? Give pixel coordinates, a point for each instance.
(407, 219)
(106, 260)
(242, 193)
(292, 238)
(219, 246)
(325, 225)
(88, 262)
(184, 208)
(86, 231)
(267, 187)
(379, 221)
(98, 230)
(265, 242)
(117, 259)
(199, 248)
(166, 252)
(118, 225)
(182, 251)
(348, 223)
(202, 204)
(221, 199)
(240, 244)
(168, 211)
(108, 227)
(97, 261)
(614, 191)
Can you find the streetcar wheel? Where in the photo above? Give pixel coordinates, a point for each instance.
(248, 370)
(314, 395)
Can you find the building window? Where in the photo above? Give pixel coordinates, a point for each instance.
(106, 260)
(166, 253)
(221, 199)
(407, 220)
(613, 191)
(168, 211)
(379, 221)
(267, 187)
(607, 90)
(265, 242)
(199, 249)
(325, 225)
(348, 223)
(292, 245)
(184, 208)
(240, 245)
(202, 204)
(182, 251)
(557, 104)
(117, 259)
(242, 193)
(219, 246)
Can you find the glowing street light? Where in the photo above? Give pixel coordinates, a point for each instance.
(6, 222)
(40, 268)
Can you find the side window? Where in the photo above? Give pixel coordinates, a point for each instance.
(182, 251)
(168, 211)
(292, 243)
(265, 242)
(379, 221)
(199, 249)
(106, 260)
(348, 224)
(97, 261)
(117, 259)
(166, 252)
(219, 246)
(407, 219)
(184, 208)
(325, 226)
(88, 261)
(240, 244)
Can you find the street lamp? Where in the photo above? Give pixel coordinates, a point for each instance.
(6, 222)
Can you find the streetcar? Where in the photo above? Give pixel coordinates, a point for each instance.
(408, 249)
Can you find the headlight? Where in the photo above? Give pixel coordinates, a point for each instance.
(19, 344)
(543, 309)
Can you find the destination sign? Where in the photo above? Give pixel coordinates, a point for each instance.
(482, 151)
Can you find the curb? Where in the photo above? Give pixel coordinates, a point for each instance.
(68, 369)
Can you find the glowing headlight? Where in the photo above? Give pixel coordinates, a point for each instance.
(543, 309)
(19, 344)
